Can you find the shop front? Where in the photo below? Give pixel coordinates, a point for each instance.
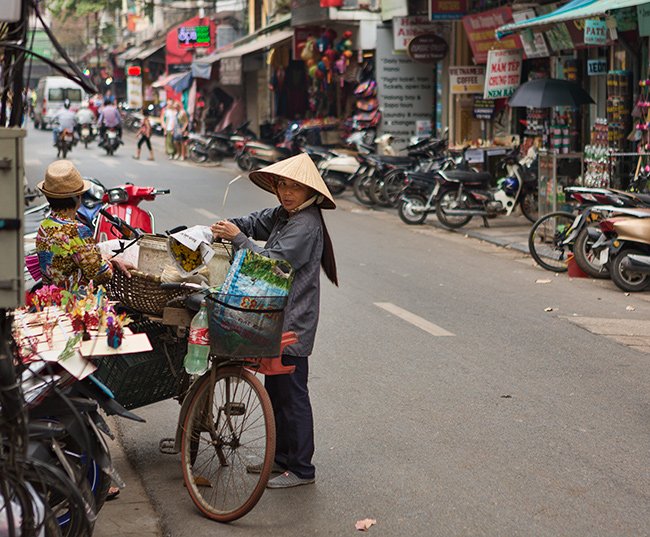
(602, 49)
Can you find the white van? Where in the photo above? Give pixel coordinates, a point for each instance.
(50, 94)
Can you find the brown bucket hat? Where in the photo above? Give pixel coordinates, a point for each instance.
(63, 180)
(300, 169)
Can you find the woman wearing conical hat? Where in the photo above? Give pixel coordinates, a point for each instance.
(294, 231)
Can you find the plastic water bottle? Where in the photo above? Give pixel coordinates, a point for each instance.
(198, 347)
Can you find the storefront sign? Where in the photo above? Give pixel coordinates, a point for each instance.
(447, 10)
(427, 48)
(643, 16)
(230, 71)
(597, 67)
(595, 32)
(193, 36)
(483, 108)
(134, 91)
(626, 19)
(480, 30)
(466, 79)
(503, 73)
(533, 42)
(406, 28)
(405, 89)
(393, 8)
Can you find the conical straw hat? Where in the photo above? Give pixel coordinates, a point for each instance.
(300, 169)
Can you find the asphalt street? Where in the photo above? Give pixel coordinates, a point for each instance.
(448, 401)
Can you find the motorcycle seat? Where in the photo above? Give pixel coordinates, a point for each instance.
(462, 176)
(387, 159)
(645, 198)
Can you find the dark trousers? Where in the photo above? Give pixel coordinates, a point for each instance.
(144, 140)
(294, 421)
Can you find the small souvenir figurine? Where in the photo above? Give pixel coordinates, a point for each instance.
(114, 332)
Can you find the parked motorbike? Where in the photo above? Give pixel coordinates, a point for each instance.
(124, 202)
(465, 194)
(111, 140)
(215, 146)
(256, 154)
(596, 204)
(625, 248)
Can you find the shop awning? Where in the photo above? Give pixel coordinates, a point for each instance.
(151, 49)
(574, 10)
(130, 54)
(174, 81)
(247, 46)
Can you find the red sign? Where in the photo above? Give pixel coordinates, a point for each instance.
(331, 3)
(176, 53)
(446, 10)
(300, 35)
(134, 70)
(427, 48)
(480, 30)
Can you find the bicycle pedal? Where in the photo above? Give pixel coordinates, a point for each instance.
(167, 446)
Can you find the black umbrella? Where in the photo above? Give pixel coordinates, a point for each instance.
(548, 92)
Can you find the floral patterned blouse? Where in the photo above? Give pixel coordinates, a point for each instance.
(67, 253)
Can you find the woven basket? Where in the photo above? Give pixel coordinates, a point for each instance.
(141, 292)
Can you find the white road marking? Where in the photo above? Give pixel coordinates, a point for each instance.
(207, 214)
(415, 320)
(33, 162)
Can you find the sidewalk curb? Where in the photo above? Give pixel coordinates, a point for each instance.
(132, 512)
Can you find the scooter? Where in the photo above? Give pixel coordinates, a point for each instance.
(124, 203)
(112, 140)
(625, 248)
(216, 146)
(87, 134)
(64, 143)
(256, 154)
(465, 194)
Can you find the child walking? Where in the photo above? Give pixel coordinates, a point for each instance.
(144, 137)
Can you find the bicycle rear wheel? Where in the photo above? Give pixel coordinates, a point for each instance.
(228, 427)
(546, 241)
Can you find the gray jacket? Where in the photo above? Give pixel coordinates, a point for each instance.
(297, 239)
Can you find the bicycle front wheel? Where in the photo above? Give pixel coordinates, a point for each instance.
(546, 241)
(229, 427)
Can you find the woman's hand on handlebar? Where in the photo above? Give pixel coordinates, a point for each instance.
(225, 229)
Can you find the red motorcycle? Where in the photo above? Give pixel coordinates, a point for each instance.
(123, 202)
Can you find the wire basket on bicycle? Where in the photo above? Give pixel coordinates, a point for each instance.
(243, 326)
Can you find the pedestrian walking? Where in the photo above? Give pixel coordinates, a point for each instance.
(168, 118)
(295, 232)
(181, 132)
(144, 137)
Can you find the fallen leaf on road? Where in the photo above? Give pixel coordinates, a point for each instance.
(630, 308)
(542, 281)
(506, 396)
(627, 294)
(548, 309)
(364, 525)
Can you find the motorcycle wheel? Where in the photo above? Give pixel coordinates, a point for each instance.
(64, 152)
(360, 188)
(375, 191)
(625, 279)
(406, 210)
(585, 258)
(245, 162)
(335, 185)
(86, 144)
(529, 205)
(196, 156)
(449, 199)
(395, 182)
